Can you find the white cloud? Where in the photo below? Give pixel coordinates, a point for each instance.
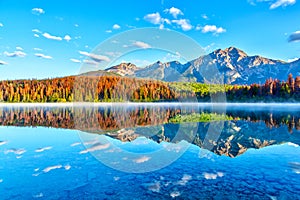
(253, 2)
(174, 12)
(76, 25)
(138, 62)
(75, 60)
(36, 31)
(153, 18)
(52, 37)
(19, 48)
(75, 144)
(141, 44)
(67, 38)
(15, 54)
(37, 11)
(59, 18)
(40, 55)
(1, 25)
(184, 24)
(167, 21)
(204, 16)
(273, 3)
(37, 49)
(129, 26)
(213, 29)
(282, 3)
(113, 54)
(294, 37)
(3, 63)
(95, 57)
(108, 31)
(116, 26)
(209, 47)
(90, 62)
(170, 57)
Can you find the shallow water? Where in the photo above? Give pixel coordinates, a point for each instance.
(133, 152)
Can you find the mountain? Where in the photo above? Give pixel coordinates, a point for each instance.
(170, 71)
(123, 69)
(234, 67)
(236, 138)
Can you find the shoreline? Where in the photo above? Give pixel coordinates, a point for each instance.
(106, 104)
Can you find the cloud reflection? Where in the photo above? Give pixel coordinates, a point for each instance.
(43, 149)
(142, 159)
(15, 151)
(96, 147)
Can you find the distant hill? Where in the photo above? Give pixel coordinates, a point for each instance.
(235, 66)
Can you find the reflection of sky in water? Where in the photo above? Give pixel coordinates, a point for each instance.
(52, 163)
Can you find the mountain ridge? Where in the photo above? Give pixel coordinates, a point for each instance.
(232, 65)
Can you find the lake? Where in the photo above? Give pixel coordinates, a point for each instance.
(146, 151)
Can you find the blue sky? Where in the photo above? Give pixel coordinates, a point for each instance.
(43, 38)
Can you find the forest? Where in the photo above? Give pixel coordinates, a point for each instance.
(272, 90)
(122, 89)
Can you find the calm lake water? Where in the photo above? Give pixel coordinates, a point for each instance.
(132, 151)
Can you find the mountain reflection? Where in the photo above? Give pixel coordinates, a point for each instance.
(246, 128)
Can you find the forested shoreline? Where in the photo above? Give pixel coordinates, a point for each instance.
(122, 89)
